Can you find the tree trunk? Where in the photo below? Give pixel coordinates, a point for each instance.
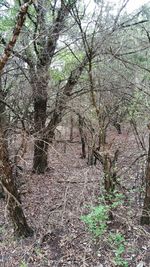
(81, 123)
(109, 175)
(102, 136)
(39, 84)
(40, 160)
(71, 129)
(117, 125)
(145, 218)
(21, 227)
(109, 168)
(7, 181)
(91, 159)
(39, 81)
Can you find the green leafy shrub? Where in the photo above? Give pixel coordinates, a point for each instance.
(118, 243)
(96, 220)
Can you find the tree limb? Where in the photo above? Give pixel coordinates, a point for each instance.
(19, 24)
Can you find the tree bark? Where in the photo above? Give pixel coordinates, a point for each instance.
(71, 128)
(145, 218)
(21, 227)
(45, 134)
(40, 160)
(81, 122)
(16, 32)
(17, 216)
(40, 83)
(7, 181)
(40, 79)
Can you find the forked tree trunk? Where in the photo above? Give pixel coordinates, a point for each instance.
(40, 84)
(145, 218)
(40, 77)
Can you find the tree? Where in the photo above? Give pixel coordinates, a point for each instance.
(17, 216)
(145, 218)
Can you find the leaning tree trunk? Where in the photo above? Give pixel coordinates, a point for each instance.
(21, 227)
(145, 218)
(7, 180)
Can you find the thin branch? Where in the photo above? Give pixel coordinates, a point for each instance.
(20, 22)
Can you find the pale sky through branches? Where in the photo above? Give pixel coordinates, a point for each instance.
(134, 4)
(130, 7)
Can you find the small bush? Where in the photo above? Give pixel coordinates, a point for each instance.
(96, 220)
(118, 243)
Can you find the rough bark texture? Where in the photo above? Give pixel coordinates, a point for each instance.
(21, 227)
(71, 128)
(109, 175)
(47, 133)
(40, 161)
(40, 79)
(19, 24)
(145, 218)
(108, 162)
(40, 105)
(91, 157)
(7, 181)
(83, 150)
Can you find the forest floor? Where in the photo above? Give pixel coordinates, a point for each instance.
(54, 203)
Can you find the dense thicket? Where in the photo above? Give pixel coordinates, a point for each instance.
(90, 62)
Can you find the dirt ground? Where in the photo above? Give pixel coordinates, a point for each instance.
(53, 204)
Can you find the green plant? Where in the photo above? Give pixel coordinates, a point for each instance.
(119, 199)
(96, 220)
(23, 264)
(118, 243)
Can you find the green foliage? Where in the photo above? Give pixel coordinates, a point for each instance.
(67, 60)
(56, 75)
(138, 105)
(119, 199)
(64, 63)
(118, 243)
(96, 220)
(23, 264)
(29, 23)
(8, 18)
